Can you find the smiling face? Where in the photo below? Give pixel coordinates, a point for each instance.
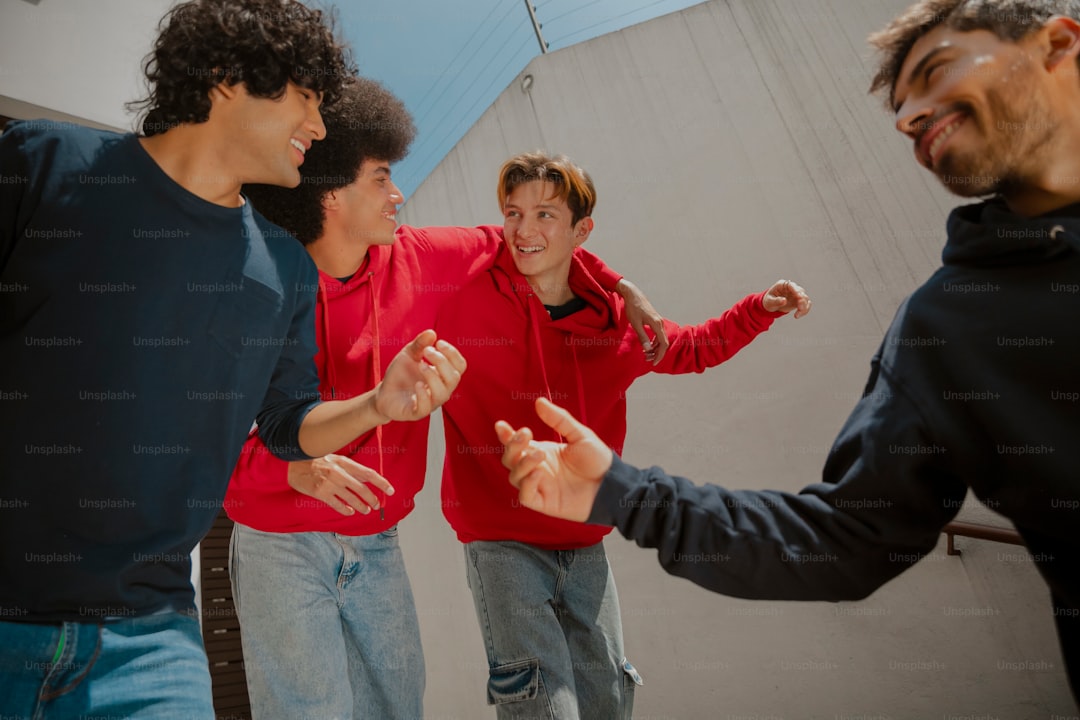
(272, 135)
(366, 209)
(977, 108)
(540, 232)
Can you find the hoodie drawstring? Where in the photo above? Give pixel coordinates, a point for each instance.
(377, 366)
(330, 371)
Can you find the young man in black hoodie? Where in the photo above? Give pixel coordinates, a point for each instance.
(975, 384)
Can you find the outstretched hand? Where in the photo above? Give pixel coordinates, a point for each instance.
(557, 479)
(785, 296)
(419, 379)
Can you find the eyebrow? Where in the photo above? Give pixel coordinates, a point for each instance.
(920, 66)
(542, 206)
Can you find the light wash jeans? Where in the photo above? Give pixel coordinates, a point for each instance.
(146, 668)
(552, 630)
(328, 624)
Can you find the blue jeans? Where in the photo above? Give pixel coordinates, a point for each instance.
(148, 668)
(552, 631)
(328, 624)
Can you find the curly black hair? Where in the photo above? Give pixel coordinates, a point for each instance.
(367, 122)
(261, 43)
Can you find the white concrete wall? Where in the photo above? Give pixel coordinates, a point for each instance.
(733, 144)
(75, 59)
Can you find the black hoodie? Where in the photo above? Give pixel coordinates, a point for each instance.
(976, 384)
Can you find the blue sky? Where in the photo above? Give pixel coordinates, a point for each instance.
(449, 59)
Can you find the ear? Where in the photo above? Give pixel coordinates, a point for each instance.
(330, 201)
(582, 230)
(224, 91)
(1063, 37)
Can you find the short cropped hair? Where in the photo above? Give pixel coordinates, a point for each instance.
(261, 43)
(1010, 20)
(367, 122)
(572, 184)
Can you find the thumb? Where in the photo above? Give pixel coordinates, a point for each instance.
(415, 349)
(561, 421)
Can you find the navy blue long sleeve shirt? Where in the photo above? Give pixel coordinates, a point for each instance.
(142, 331)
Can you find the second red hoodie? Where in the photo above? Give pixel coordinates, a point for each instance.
(584, 362)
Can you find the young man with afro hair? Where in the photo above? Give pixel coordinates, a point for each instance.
(317, 572)
(156, 315)
(975, 384)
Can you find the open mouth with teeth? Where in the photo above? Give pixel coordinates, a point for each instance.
(529, 250)
(299, 146)
(931, 144)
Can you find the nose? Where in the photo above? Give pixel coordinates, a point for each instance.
(526, 227)
(315, 122)
(913, 118)
(396, 196)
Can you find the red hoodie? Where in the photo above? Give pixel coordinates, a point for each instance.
(361, 324)
(584, 362)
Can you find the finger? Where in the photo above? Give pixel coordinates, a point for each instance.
(421, 405)
(353, 492)
(661, 342)
(525, 465)
(516, 444)
(504, 431)
(529, 493)
(364, 474)
(415, 349)
(561, 421)
(335, 502)
(441, 375)
(457, 360)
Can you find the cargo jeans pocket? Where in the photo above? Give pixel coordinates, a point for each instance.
(514, 682)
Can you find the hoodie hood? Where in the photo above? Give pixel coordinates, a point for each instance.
(599, 316)
(989, 234)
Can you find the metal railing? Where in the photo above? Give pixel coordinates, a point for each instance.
(982, 532)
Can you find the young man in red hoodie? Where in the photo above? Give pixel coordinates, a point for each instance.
(544, 595)
(327, 613)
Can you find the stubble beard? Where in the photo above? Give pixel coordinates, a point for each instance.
(1018, 130)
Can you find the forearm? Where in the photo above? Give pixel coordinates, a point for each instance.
(330, 426)
(762, 545)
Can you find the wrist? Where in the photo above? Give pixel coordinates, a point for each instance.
(372, 411)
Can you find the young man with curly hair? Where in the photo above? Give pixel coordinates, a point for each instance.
(154, 316)
(975, 385)
(544, 593)
(317, 572)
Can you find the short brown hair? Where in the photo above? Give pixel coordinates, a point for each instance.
(573, 185)
(1008, 19)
